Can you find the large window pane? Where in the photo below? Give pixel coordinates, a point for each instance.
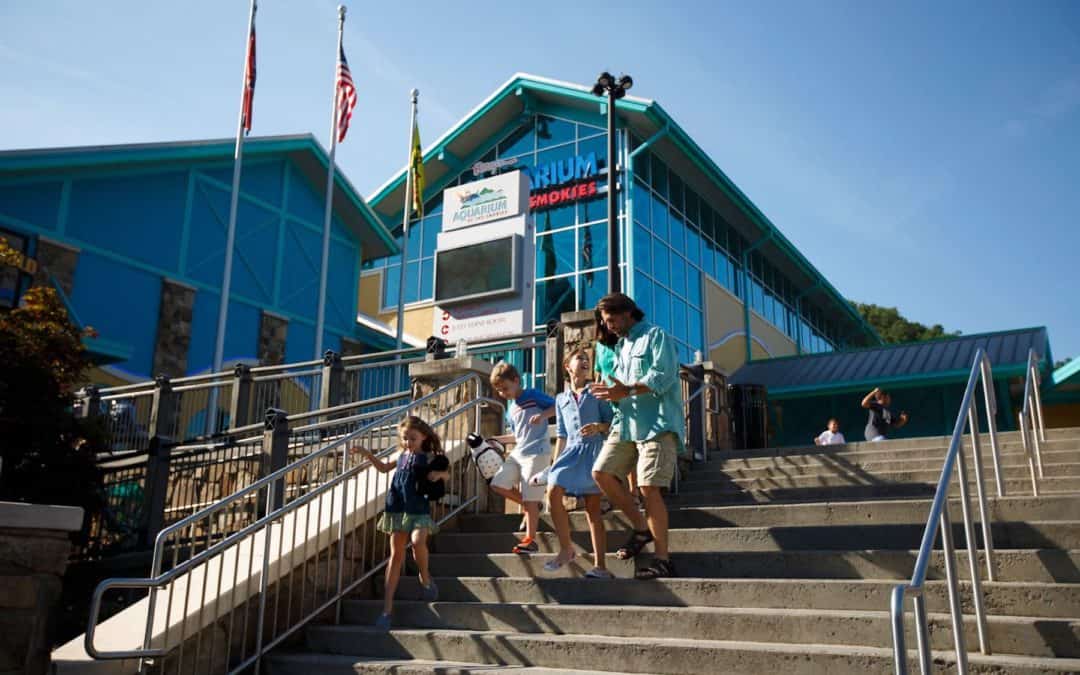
(415, 231)
(661, 308)
(412, 282)
(555, 253)
(691, 210)
(678, 320)
(695, 336)
(391, 284)
(642, 250)
(553, 297)
(591, 287)
(592, 209)
(519, 142)
(641, 204)
(678, 275)
(675, 191)
(693, 247)
(593, 244)
(556, 218)
(643, 293)
(642, 163)
(659, 218)
(676, 231)
(659, 177)
(693, 286)
(661, 263)
(551, 131)
(427, 268)
(596, 144)
(432, 227)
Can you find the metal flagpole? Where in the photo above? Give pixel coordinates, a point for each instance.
(230, 237)
(321, 316)
(414, 94)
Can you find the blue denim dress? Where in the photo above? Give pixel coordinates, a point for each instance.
(572, 470)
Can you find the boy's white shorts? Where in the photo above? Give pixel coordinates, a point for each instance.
(516, 472)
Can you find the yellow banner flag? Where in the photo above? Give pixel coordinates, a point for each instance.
(416, 167)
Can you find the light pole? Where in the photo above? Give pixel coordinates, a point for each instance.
(607, 85)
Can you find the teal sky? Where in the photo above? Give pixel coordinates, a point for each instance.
(922, 155)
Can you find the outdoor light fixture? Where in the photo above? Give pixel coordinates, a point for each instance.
(606, 85)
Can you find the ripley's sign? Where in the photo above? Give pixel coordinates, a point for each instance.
(563, 181)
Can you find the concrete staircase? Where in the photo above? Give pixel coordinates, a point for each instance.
(786, 560)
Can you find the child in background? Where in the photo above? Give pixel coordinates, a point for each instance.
(583, 422)
(831, 435)
(529, 412)
(408, 512)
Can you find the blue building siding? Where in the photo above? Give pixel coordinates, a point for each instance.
(136, 226)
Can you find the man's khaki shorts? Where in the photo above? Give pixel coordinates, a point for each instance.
(654, 459)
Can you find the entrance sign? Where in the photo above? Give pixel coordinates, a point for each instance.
(482, 201)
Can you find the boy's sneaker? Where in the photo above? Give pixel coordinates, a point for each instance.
(382, 624)
(526, 547)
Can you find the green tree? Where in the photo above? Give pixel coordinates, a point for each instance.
(894, 328)
(47, 454)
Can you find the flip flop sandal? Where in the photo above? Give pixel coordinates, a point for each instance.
(659, 569)
(554, 565)
(637, 541)
(597, 573)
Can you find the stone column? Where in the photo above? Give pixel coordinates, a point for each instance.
(273, 329)
(718, 417)
(351, 347)
(173, 328)
(34, 550)
(431, 375)
(59, 260)
(578, 330)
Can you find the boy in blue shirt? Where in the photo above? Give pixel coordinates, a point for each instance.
(528, 416)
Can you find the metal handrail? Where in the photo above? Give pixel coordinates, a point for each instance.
(1030, 417)
(158, 579)
(939, 518)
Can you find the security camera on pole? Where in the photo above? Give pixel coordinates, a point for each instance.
(607, 85)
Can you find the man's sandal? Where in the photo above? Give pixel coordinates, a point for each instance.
(658, 569)
(637, 541)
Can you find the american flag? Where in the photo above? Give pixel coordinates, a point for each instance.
(249, 82)
(346, 95)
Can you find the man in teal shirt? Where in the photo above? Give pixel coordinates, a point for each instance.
(647, 392)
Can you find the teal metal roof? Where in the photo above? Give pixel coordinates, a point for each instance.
(911, 364)
(1067, 376)
(524, 94)
(303, 149)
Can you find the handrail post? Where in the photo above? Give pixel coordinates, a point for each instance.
(984, 511)
(275, 450)
(991, 421)
(1021, 423)
(1037, 382)
(899, 648)
(332, 383)
(162, 423)
(1035, 442)
(969, 528)
(949, 553)
(240, 397)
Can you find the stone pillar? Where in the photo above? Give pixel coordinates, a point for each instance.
(59, 260)
(333, 380)
(34, 550)
(718, 415)
(578, 330)
(430, 375)
(352, 347)
(173, 328)
(273, 329)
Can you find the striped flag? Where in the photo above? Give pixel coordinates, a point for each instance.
(249, 82)
(416, 166)
(346, 94)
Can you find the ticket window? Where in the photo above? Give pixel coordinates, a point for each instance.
(13, 280)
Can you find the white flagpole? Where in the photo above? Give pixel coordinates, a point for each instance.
(414, 94)
(230, 237)
(321, 316)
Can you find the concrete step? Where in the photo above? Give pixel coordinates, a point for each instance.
(1029, 565)
(885, 450)
(1042, 508)
(635, 655)
(1008, 635)
(306, 663)
(1014, 481)
(721, 495)
(1011, 467)
(1016, 535)
(1004, 598)
(926, 461)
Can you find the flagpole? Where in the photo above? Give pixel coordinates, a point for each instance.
(230, 237)
(414, 94)
(321, 316)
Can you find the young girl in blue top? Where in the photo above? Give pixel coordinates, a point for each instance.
(408, 512)
(582, 423)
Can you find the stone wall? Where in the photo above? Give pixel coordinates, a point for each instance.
(59, 260)
(173, 329)
(273, 330)
(34, 550)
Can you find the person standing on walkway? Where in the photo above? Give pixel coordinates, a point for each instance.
(649, 398)
(882, 420)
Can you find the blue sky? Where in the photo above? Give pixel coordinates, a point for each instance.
(922, 155)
